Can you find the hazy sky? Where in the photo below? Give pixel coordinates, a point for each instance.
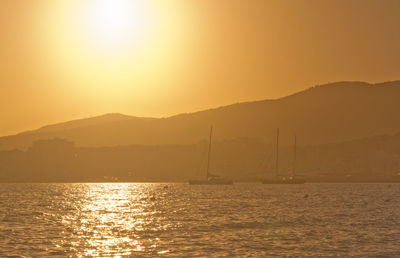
(62, 60)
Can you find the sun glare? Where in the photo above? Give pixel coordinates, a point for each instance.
(104, 48)
(115, 23)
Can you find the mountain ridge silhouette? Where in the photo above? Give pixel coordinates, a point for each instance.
(321, 114)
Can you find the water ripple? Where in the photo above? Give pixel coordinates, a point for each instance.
(182, 220)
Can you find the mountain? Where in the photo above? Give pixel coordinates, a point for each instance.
(108, 118)
(327, 113)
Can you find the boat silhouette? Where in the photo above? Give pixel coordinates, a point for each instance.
(285, 178)
(210, 178)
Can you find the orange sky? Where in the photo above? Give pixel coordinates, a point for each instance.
(183, 55)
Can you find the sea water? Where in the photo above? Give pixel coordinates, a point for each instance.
(177, 219)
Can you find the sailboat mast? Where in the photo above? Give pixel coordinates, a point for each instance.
(277, 152)
(209, 152)
(294, 156)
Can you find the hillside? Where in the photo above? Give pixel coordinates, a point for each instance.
(323, 114)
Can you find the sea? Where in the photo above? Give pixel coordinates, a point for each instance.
(178, 219)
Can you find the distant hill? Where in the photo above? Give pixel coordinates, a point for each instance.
(108, 118)
(322, 114)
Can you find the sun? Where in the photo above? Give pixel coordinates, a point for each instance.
(112, 49)
(115, 23)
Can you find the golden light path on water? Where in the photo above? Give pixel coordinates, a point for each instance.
(109, 214)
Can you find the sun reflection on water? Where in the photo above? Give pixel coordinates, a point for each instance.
(109, 219)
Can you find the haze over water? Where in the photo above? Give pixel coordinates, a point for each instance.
(107, 219)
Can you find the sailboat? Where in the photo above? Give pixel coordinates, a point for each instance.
(210, 178)
(281, 178)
